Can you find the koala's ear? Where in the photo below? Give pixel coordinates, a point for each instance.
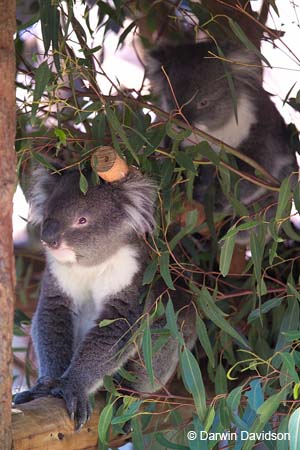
(42, 184)
(139, 195)
(245, 66)
(154, 60)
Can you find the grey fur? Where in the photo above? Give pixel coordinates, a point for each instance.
(202, 90)
(98, 277)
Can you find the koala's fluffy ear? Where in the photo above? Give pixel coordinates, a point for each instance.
(41, 186)
(154, 60)
(245, 66)
(139, 195)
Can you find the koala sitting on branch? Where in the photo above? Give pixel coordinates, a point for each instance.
(95, 259)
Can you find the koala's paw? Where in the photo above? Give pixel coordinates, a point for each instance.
(41, 389)
(77, 402)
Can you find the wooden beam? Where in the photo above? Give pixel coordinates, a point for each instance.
(44, 424)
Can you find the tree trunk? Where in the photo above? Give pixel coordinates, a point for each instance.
(7, 186)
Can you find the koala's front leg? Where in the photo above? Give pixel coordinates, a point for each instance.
(102, 352)
(52, 334)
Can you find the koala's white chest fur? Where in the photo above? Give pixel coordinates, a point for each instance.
(91, 287)
(232, 132)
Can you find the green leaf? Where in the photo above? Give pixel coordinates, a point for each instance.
(265, 307)
(150, 271)
(294, 430)
(106, 322)
(283, 200)
(292, 335)
(168, 444)
(233, 231)
(49, 16)
(204, 340)
(83, 183)
(193, 381)
(40, 159)
(289, 365)
(164, 261)
(98, 128)
(104, 422)
(234, 399)
(244, 39)
(175, 133)
(191, 221)
(130, 413)
(117, 128)
(255, 394)
(265, 412)
(206, 150)
(257, 256)
(209, 419)
(226, 255)
(61, 135)
(147, 350)
(137, 435)
(186, 161)
(290, 321)
(125, 33)
(214, 314)
(172, 322)
(42, 78)
(230, 81)
(283, 444)
(220, 380)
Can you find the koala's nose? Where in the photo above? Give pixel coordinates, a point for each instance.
(51, 233)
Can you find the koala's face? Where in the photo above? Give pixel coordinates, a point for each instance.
(199, 81)
(90, 228)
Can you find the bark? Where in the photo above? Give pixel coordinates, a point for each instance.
(7, 185)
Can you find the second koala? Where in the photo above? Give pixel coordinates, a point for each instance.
(190, 78)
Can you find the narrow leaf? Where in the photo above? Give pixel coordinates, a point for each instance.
(104, 422)
(164, 261)
(193, 381)
(83, 183)
(294, 430)
(147, 350)
(204, 340)
(42, 77)
(213, 313)
(226, 255)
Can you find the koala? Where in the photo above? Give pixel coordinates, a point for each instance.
(95, 258)
(201, 90)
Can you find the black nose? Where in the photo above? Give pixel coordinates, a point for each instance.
(51, 233)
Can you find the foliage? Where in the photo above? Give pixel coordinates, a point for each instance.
(244, 373)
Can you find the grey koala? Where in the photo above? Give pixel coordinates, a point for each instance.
(95, 259)
(201, 89)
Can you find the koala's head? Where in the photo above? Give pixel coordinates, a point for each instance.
(199, 80)
(89, 228)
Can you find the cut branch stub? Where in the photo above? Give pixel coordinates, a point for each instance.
(108, 164)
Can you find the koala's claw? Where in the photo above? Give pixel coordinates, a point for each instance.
(41, 389)
(23, 397)
(77, 403)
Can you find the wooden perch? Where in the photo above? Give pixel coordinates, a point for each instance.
(108, 164)
(44, 424)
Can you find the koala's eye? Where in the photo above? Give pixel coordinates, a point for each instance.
(82, 220)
